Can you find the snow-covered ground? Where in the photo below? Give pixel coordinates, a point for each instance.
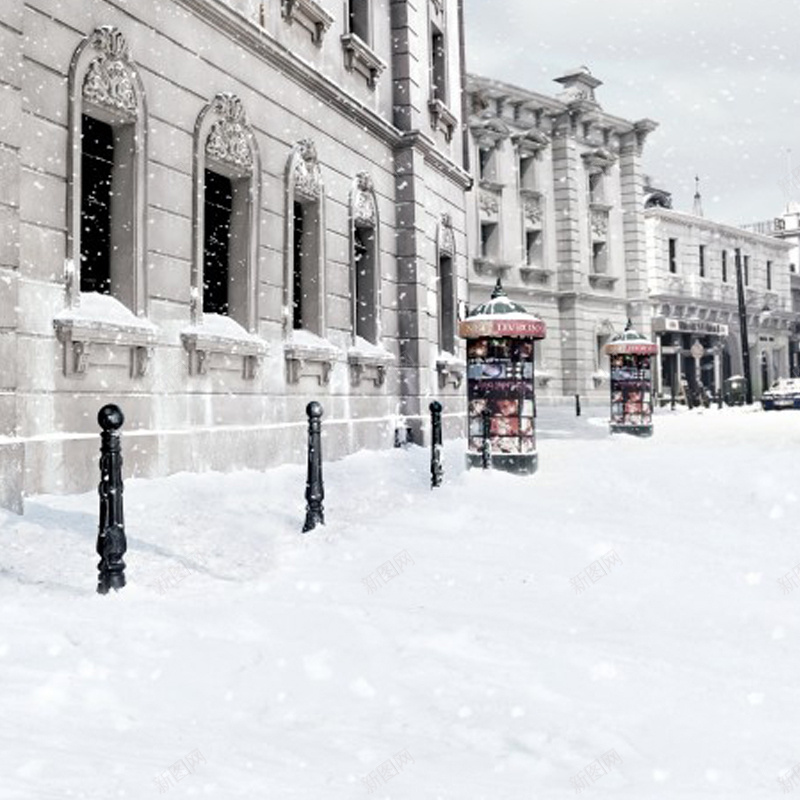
(282, 666)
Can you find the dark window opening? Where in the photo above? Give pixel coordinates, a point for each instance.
(673, 255)
(438, 65)
(724, 266)
(297, 275)
(599, 258)
(218, 209)
(447, 320)
(97, 165)
(533, 248)
(527, 172)
(746, 265)
(596, 187)
(702, 256)
(769, 276)
(366, 299)
(485, 164)
(488, 240)
(358, 17)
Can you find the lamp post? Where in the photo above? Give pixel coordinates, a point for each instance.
(748, 383)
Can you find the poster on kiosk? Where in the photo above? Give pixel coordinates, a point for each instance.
(500, 338)
(630, 356)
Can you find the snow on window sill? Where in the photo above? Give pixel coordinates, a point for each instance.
(100, 319)
(368, 361)
(451, 370)
(310, 355)
(359, 56)
(222, 335)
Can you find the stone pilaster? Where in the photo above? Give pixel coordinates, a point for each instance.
(632, 183)
(11, 453)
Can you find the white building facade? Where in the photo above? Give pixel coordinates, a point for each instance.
(557, 212)
(692, 281)
(214, 212)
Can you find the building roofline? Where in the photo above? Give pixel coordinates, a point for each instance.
(703, 222)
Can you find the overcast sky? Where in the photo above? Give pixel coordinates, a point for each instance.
(721, 77)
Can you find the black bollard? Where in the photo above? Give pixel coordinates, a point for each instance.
(577, 405)
(111, 542)
(315, 491)
(486, 452)
(672, 396)
(437, 470)
(719, 399)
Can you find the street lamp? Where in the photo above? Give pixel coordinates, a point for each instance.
(748, 384)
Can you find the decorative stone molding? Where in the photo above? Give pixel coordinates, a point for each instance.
(360, 57)
(229, 137)
(489, 203)
(310, 14)
(599, 158)
(365, 214)
(488, 133)
(488, 266)
(110, 79)
(447, 239)
(307, 176)
(599, 222)
(442, 118)
(368, 362)
(532, 274)
(531, 141)
(532, 207)
(450, 370)
(601, 281)
(222, 336)
(308, 355)
(103, 321)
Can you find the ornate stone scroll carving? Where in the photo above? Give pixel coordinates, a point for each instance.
(109, 80)
(229, 138)
(364, 211)
(307, 178)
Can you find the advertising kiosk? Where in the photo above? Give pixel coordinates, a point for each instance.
(500, 338)
(630, 355)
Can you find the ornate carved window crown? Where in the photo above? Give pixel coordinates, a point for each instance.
(109, 81)
(364, 211)
(228, 139)
(306, 172)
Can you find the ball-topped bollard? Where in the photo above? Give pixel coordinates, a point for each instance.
(437, 470)
(315, 490)
(111, 542)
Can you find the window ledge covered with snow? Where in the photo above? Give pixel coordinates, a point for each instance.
(309, 355)
(221, 335)
(100, 319)
(368, 362)
(451, 370)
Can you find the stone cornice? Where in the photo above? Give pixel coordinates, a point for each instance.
(255, 39)
(434, 158)
(688, 220)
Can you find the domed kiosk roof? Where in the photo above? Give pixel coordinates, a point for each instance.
(630, 342)
(501, 317)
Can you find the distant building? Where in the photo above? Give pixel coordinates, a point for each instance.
(786, 227)
(215, 211)
(557, 213)
(693, 297)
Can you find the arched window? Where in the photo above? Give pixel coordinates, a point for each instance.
(304, 274)
(365, 266)
(226, 203)
(446, 286)
(107, 173)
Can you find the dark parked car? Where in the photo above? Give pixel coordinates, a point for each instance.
(784, 393)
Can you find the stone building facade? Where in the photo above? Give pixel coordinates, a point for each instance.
(694, 299)
(214, 212)
(557, 212)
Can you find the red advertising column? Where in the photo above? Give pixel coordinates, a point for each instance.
(501, 336)
(630, 356)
